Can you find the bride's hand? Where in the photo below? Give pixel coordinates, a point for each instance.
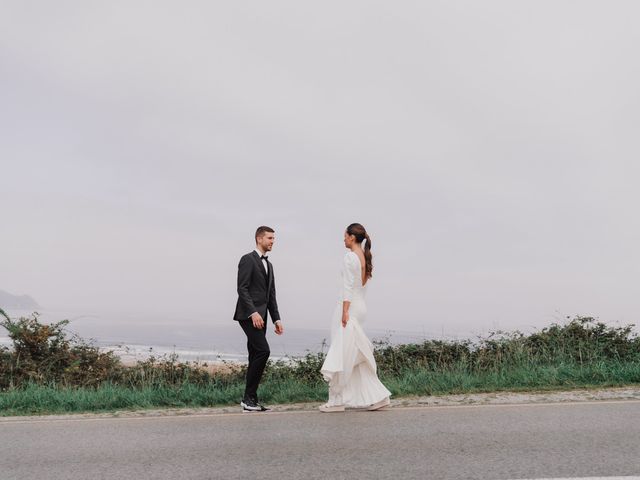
(345, 318)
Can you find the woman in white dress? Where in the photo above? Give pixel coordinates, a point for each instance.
(349, 367)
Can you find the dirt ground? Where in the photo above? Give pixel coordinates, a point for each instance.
(496, 398)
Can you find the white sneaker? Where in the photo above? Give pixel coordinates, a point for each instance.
(249, 406)
(326, 408)
(385, 402)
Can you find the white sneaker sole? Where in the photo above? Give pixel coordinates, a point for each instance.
(247, 408)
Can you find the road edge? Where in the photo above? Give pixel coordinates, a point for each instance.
(466, 399)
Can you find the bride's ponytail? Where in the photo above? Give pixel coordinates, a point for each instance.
(367, 256)
(361, 235)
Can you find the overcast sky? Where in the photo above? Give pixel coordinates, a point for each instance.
(490, 148)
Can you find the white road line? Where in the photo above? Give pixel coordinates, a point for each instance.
(582, 478)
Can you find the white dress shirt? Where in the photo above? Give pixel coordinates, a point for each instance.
(264, 262)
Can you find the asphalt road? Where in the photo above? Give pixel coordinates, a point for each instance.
(489, 442)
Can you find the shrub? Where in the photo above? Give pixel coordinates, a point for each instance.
(45, 355)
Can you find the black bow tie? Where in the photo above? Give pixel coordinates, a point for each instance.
(264, 257)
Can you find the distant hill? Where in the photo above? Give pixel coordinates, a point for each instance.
(16, 301)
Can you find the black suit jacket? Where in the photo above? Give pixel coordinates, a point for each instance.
(256, 289)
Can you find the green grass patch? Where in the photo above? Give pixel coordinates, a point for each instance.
(41, 399)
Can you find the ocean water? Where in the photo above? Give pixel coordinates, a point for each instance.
(192, 338)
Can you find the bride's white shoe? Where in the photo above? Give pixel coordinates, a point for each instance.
(326, 408)
(385, 402)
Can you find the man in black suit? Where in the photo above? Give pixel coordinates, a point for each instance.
(256, 300)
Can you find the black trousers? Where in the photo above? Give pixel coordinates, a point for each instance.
(258, 355)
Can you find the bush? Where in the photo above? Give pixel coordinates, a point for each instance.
(582, 340)
(44, 355)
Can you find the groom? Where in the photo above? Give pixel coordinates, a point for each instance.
(256, 299)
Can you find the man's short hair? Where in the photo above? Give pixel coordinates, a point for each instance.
(262, 230)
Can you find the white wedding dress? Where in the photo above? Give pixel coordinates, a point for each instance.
(349, 366)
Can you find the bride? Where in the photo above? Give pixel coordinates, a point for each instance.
(349, 366)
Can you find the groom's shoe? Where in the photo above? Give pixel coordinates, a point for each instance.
(262, 407)
(250, 405)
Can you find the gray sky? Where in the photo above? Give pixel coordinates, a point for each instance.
(490, 148)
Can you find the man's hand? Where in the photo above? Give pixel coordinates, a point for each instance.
(257, 320)
(279, 327)
(345, 318)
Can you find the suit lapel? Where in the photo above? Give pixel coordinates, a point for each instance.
(260, 265)
(269, 276)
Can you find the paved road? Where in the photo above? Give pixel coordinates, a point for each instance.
(489, 442)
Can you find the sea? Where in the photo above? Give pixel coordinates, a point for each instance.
(192, 338)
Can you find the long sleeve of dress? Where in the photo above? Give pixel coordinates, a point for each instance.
(348, 278)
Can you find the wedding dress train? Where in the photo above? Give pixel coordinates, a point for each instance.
(349, 367)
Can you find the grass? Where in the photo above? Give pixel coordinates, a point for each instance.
(41, 399)
(47, 372)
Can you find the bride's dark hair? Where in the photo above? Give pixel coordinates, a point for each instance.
(361, 234)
